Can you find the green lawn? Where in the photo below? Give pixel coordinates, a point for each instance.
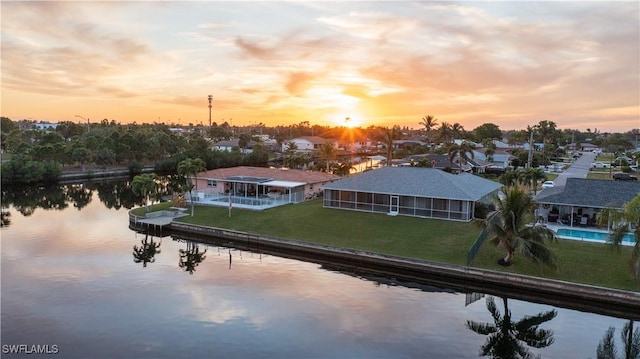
(429, 239)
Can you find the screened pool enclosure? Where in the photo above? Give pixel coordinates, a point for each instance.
(418, 192)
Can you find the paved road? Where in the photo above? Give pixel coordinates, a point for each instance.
(578, 169)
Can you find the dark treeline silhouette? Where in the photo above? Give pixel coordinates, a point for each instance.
(39, 153)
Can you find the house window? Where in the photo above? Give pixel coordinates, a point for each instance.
(212, 183)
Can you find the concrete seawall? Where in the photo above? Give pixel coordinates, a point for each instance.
(605, 301)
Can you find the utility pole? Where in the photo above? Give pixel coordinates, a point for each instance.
(210, 97)
(530, 149)
(86, 119)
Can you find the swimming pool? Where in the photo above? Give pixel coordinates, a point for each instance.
(592, 236)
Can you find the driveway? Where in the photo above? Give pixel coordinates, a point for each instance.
(578, 169)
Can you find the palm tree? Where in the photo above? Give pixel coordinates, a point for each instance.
(327, 153)
(457, 130)
(191, 257)
(445, 133)
(506, 339)
(243, 141)
(509, 177)
(530, 177)
(342, 169)
(146, 252)
(490, 149)
(388, 136)
(607, 346)
(620, 222)
(546, 129)
(190, 168)
(509, 228)
(429, 123)
(462, 152)
(144, 185)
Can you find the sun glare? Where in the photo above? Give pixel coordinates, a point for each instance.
(349, 121)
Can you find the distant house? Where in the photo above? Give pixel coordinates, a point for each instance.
(229, 145)
(440, 162)
(411, 191)
(581, 147)
(308, 143)
(500, 157)
(580, 199)
(45, 126)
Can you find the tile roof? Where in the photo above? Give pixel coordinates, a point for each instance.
(273, 173)
(416, 181)
(593, 193)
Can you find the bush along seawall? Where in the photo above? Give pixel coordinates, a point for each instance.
(600, 300)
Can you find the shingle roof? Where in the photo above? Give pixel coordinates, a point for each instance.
(593, 193)
(273, 173)
(417, 181)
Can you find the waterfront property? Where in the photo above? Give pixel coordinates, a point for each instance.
(258, 187)
(411, 191)
(578, 202)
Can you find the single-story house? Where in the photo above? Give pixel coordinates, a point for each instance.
(579, 200)
(308, 143)
(440, 162)
(585, 146)
(258, 187)
(411, 191)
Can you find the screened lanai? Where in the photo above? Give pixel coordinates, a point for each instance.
(257, 187)
(411, 191)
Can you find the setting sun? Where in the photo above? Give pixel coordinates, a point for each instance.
(350, 121)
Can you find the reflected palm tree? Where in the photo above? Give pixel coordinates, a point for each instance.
(191, 257)
(5, 220)
(607, 347)
(146, 252)
(508, 339)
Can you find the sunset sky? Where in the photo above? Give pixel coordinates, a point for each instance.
(379, 63)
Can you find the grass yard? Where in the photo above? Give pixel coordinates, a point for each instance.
(429, 239)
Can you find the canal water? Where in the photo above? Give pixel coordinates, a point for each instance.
(77, 280)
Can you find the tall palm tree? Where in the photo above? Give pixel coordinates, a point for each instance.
(620, 222)
(445, 133)
(429, 123)
(146, 252)
(457, 130)
(388, 136)
(530, 177)
(327, 153)
(190, 167)
(243, 141)
(506, 339)
(144, 185)
(509, 177)
(509, 228)
(607, 346)
(490, 149)
(463, 152)
(547, 130)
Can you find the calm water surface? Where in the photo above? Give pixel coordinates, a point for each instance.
(69, 279)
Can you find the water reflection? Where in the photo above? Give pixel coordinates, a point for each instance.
(508, 339)
(192, 257)
(5, 219)
(81, 289)
(146, 252)
(113, 194)
(607, 348)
